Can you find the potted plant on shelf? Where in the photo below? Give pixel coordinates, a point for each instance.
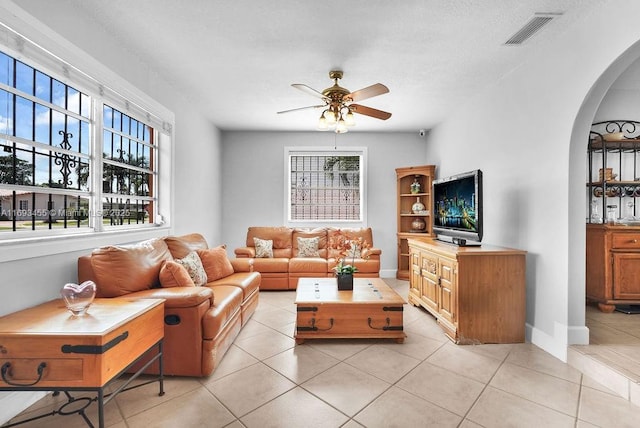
(348, 248)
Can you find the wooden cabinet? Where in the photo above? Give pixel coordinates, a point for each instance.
(425, 287)
(477, 294)
(447, 296)
(412, 223)
(613, 265)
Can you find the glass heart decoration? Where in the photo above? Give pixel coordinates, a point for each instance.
(78, 297)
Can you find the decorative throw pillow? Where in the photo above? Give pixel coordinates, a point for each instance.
(173, 274)
(264, 247)
(193, 264)
(216, 263)
(308, 247)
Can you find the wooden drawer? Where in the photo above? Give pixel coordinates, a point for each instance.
(626, 240)
(25, 370)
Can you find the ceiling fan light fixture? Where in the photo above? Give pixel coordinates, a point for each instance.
(322, 123)
(341, 127)
(349, 120)
(339, 104)
(330, 116)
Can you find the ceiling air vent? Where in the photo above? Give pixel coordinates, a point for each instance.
(538, 21)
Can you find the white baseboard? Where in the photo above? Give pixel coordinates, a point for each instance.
(388, 273)
(578, 335)
(555, 345)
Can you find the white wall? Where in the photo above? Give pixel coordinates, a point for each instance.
(253, 180)
(520, 132)
(197, 175)
(622, 100)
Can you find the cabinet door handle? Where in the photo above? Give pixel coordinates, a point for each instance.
(634, 241)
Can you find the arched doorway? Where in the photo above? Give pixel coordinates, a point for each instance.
(577, 175)
(578, 198)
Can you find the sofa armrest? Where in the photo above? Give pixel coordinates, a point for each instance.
(242, 264)
(245, 252)
(176, 297)
(372, 252)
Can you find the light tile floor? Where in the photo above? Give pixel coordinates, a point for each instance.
(265, 380)
(613, 354)
(616, 337)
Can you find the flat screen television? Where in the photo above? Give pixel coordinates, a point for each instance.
(457, 208)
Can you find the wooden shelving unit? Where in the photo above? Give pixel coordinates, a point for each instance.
(407, 220)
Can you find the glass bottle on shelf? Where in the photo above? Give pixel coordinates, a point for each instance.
(629, 215)
(611, 214)
(595, 212)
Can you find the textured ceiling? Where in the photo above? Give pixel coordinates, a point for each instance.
(237, 59)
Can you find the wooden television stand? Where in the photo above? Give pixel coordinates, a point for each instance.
(476, 293)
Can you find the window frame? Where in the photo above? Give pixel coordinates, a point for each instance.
(290, 151)
(44, 51)
(154, 148)
(94, 191)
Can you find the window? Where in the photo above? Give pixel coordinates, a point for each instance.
(325, 185)
(47, 162)
(127, 158)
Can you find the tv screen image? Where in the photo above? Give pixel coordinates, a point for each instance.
(457, 203)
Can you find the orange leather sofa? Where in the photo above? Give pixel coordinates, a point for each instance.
(201, 322)
(287, 264)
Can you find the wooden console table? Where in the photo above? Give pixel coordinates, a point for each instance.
(45, 348)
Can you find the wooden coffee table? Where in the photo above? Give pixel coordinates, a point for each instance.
(371, 310)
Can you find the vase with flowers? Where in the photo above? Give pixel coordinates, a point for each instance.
(349, 248)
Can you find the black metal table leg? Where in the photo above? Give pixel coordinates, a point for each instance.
(161, 367)
(101, 408)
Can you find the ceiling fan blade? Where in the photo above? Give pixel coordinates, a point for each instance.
(301, 108)
(368, 111)
(309, 90)
(368, 92)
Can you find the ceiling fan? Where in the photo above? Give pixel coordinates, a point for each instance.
(339, 103)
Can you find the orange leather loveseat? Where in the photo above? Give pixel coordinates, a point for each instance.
(201, 320)
(292, 257)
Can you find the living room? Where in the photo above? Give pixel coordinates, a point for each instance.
(527, 131)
